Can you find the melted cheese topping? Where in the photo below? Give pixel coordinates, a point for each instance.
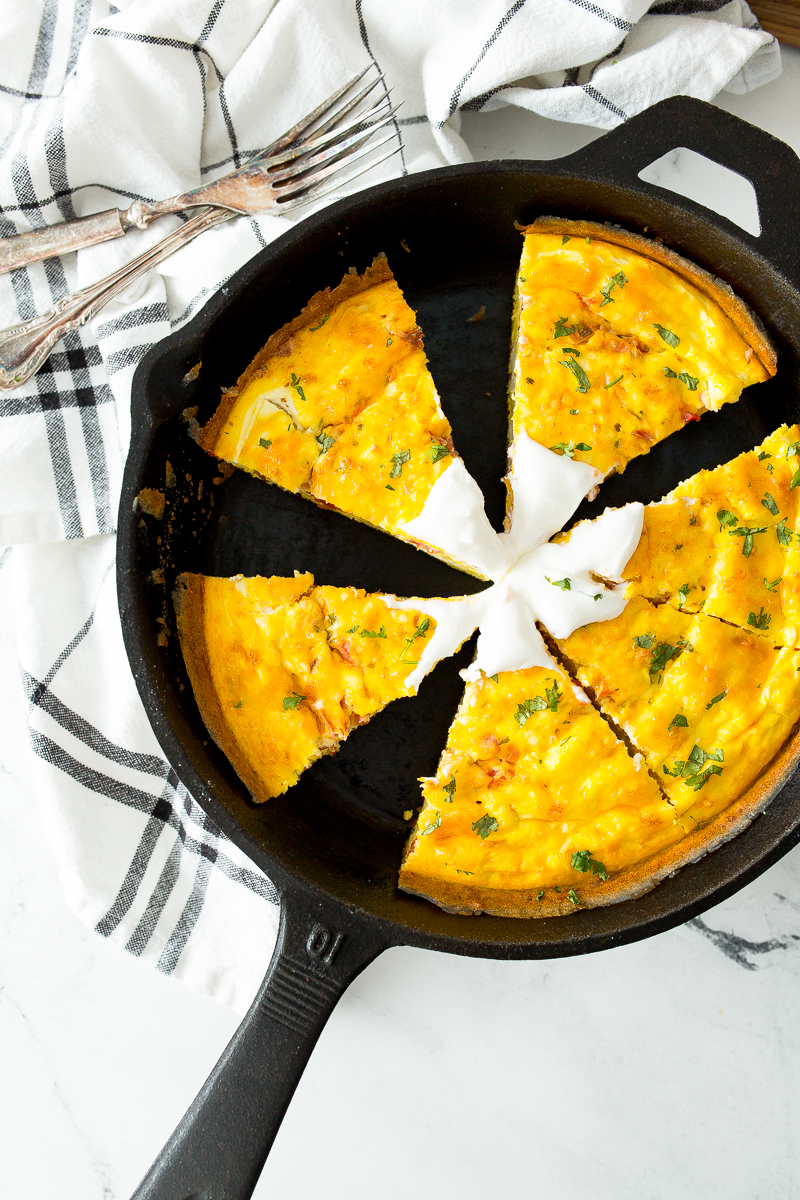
(530, 775)
(591, 367)
(682, 686)
(695, 550)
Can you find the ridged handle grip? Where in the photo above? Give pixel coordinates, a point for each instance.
(25, 347)
(220, 1147)
(60, 239)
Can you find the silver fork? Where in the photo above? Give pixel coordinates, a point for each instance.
(284, 175)
(312, 171)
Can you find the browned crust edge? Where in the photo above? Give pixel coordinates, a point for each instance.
(628, 884)
(189, 601)
(321, 302)
(747, 322)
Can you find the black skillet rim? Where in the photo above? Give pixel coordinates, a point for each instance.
(772, 834)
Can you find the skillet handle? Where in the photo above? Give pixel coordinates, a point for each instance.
(769, 164)
(219, 1148)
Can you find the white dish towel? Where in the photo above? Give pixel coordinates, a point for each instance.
(103, 103)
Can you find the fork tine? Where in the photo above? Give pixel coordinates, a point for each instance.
(312, 185)
(315, 194)
(297, 131)
(330, 138)
(342, 112)
(302, 166)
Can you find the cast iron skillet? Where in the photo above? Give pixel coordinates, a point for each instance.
(332, 845)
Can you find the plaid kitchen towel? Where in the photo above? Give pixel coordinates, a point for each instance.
(101, 104)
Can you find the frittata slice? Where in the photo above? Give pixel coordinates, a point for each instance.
(725, 542)
(708, 705)
(282, 670)
(619, 342)
(340, 406)
(532, 785)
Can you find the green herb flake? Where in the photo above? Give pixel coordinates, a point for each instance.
(792, 450)
(433, 824)
(691, 770)
(784, 535)
(314, 328)
(610, 385)
(528, 708)
(292, 701)
(747, 533)
(540, 894)
(484, 826)
(579, 373)
(572, 896)
(771, 586)
(618, 280)
(679, 721)
(420, 631)
(716, 699)
(564, 241)
(388, 487)
(374, 633)
(644, 641)
(689, 380)
(553, 694)
(562, 329)
(450, 788)
(573, 412)
(295, 383)
(325, 441)
(353, 630)
(388, 342)
(770, 504)
(760, 620)
(661, 656)
(239, 705)
(493, 677)
(564, 584)
(436, 452)
(598, 596)
(683, 592)
(667, 335)
(763, 455)
(582, 861)
(398, 460)
(726, 518)
(568, 448)
(265, 442)
(795, 481)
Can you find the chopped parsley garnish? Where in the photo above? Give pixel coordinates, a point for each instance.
(564, 584)
(613, 381)
(569, 448)
(573, 412)
(795, 481)
(419, 632)
(295, 383)
(353, 630)
(598, 596)
(678, 720)
(562, 329)
(784, 534)
(770, 504)
(564, 241)
(644, 641)
(528, 708)
(292, 701)
(265, 442)
(792, 450)
(450, 788)
(683, 592)
(716, 699)
(376, 633)
(747, 534)
(669, 337)
(494, 677)
(759, 620)
(437, 452)
(763, 455)
(691, 382)
(661, 656)
(398, 461)
(540, 894)
(325, 441)
(433, 825)
(582, 861)
(572, 896)
(239, 705)
(579, 373)
(771, 586)
(484, 826)
(553, 694)
(726, 518)
(388, 487)
(618, 280)
(314, 328)
(388, 342)
(691, 770)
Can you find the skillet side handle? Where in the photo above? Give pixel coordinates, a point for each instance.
(769, 164)
(219, 1148)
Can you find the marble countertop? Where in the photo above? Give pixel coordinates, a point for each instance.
(662, 1069)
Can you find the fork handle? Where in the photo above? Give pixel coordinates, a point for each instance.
(24, 347)
(61, 239)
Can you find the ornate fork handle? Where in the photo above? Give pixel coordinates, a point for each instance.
(24, 347)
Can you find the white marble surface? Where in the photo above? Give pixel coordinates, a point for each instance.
(664, 1069)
